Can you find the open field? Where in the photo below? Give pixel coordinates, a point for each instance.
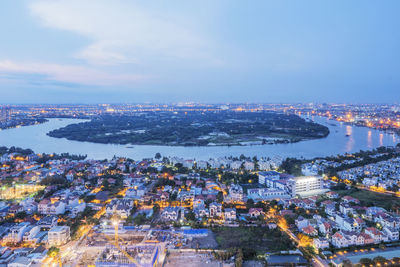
(252, 240)
(369, 198)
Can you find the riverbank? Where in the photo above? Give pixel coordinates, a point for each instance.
(21, 123)
(355, 257)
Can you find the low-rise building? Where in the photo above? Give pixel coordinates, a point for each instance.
(230, 214)
(58, 235)
(305, 185)
(321, 243)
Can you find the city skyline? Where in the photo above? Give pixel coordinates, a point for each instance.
(209, 52)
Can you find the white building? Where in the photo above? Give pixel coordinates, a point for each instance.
(268, 177)
(171, 213)
(321, 243)
(235, 193)
(230, 214)
(215, 209)
(58, 235)
(20, 261)
(188, 163)
(30, 233)
(264, 165)
(235, 165)
(201, 164)
(249, 166)
(392, 233)
(48, 208)
(16, 233)
(305, 185)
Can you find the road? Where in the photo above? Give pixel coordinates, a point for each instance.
(70, 250)
(317, 261)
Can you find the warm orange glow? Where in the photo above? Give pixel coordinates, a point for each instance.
(304, 240)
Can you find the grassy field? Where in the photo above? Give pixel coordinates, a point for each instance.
(253, 240)
(369, 198)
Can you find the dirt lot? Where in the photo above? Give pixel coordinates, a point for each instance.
(204, 242)
(253, 264)
(191, 259)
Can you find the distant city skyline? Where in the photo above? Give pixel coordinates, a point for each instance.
(98, 51)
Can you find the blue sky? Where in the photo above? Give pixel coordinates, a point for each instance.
(91, 51)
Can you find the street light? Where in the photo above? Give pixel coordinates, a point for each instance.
(115, 222)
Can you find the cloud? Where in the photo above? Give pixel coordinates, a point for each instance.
(68, 73)
(123, 32)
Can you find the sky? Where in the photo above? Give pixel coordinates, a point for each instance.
(125, 51)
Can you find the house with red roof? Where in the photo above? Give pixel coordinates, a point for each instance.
(309, 230)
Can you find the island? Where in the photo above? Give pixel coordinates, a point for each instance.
(222, 128)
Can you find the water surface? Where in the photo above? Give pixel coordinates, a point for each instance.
(342, 138)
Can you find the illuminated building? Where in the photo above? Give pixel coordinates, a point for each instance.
(305, 185)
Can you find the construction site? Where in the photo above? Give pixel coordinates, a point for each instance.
(143, 255)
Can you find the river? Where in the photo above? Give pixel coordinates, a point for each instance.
(359, 138)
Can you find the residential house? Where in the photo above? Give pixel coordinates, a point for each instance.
(30, 233)
(377, 235)
(215, 209)
(230, 214)
(16, 233)
(339, 241)
(392, 233)
(171, 213)
(301, 222)
(321, 243)
(332, 195)
(309, 230)
(121, 207)
(47, 222)
(255, 212)
(48, 208)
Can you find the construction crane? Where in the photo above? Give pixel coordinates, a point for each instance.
(115, 222)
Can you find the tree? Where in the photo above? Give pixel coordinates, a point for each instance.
(289, 219)
(157, 156)
(139, 219)
(21, 215)
(174, 196)
(239, 258)
(53, 251)
(220, 197)
(309, 249)
(366, 261)
(379, 259)
(347, 263)
(190, 216)
(250, 203)
(156, 208)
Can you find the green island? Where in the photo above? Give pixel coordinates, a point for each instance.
(224, 128)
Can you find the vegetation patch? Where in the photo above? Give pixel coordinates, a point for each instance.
(369, 198)
(252, 240)
(194, 129)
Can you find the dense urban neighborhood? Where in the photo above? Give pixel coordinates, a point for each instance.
(260, 133)
(223, 210)
(71, 210)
